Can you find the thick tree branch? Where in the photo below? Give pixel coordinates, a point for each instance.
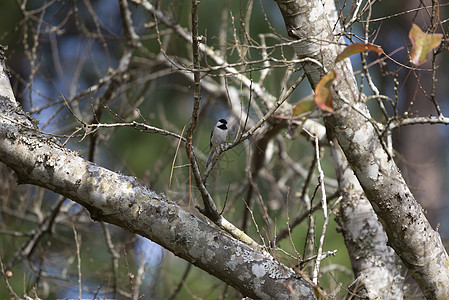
(123, 201)
(373, 261)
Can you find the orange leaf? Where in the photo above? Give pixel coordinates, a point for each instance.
(422, 44)
(357, 48)
(304, 105)
(323, 92)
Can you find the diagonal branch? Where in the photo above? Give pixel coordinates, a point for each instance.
(121, 200)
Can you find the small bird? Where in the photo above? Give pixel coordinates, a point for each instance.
(217, 137)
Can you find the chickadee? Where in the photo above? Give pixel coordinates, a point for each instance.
(217, 137)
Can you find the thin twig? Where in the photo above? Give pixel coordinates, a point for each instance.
(78, 256)
(114, 254)
(270, 112)
(210, 210)
(181, 282)
(38, 232)
(325, 212)
(6, 274)
(320, 256)
(138, 280)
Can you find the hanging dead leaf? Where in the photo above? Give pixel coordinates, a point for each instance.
(358, 48)
(422, 44)
(323, 92)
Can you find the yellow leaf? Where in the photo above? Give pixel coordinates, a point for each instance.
(422, 44)
(323, 92)
(357, 48)
(304, 105)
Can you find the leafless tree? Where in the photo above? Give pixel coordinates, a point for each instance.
(107, 121)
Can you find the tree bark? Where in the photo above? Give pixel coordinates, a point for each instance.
(373, 261)
(409, 232)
